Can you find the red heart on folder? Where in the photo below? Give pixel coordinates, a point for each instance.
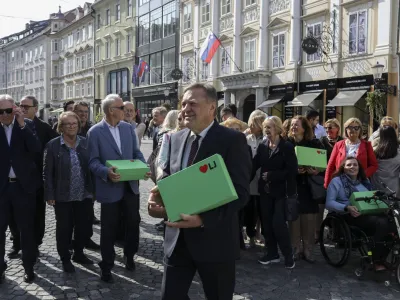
(132, 160)
(319, 152)
(204, 168)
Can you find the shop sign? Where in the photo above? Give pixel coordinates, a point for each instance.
(310, 45)
(312, 85)
(356, 81)
(331, 92)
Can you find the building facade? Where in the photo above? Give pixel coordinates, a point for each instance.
(114, 48)
(72, 57)
(262, 63)
(157, 54)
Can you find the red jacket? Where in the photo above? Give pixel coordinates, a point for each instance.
(365, 155)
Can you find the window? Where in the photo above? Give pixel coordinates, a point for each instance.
(83, 62)
(250, 2)
(186, 68)
(62, 44)
(36, 74)
(69, 91)
(41, 50)
(107, 49)
(30, 55)
(225, 61)
(89, 60)
(144, 30)
(187, 16)
(83, 34)
(205, 11)
(117, 12)
(89, 31)
(55, 96)
(22, 54)
(26, 57)
(12, 56)
(70, 63)
(156, 68)
(22, 75)
(225, 7)
(141, 2)
(41, 72)
(129, 4)
(77, 64)
(204, 71)
(98, 49)
(70, 40)
(56, 46)
(169, 20)
(278, 51)
(89, 89)
(250, 55)
(108, 17)
(77, 90)
(36, 53)
(168, 64)
(98, 21)
(55, 71)
(62, 69)
(83, 90)
(128, 43)
(118, 82)
(117, 47)
(358, 32)
(315, 31)
(77, 37)
(156, 24)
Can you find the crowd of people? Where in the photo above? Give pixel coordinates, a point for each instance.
(65, 167)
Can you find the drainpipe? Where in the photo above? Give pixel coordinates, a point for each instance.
(93, 14)
(398, 57)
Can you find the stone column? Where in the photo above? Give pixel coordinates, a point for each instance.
(237, 41)
(196, 35)
(263, 36)
(295, 25)
(259, 96)
(227, 97)
(383, 26)
(215, 63)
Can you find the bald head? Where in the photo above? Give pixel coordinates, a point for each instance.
(129, 112)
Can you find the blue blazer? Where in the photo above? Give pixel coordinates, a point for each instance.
(102, 147)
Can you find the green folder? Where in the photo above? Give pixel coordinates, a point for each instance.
(129, 169)
(367, 207)
(199, 188)
(311, 157)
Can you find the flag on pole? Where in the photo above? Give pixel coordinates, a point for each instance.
(209, 47)
(143, 66)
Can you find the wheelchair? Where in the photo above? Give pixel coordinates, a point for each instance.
(339, 241)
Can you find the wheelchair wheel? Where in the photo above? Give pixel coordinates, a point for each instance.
(335, 241)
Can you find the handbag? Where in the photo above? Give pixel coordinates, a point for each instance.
(292, 208)
(316, 184)
(152, 162)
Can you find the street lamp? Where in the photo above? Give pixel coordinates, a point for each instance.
(379, 84)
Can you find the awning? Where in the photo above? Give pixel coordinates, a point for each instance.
(271, 101)
(58, 110)
(221, 102)
(304, 99)
(346, 98)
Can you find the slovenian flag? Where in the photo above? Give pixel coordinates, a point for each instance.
(142, 67)
(209, 47)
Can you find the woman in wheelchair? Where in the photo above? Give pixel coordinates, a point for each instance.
(348, 179)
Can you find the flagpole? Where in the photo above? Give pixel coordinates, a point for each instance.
(230, 57)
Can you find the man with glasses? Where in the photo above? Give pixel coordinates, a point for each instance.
(19, 181)
(29, 107)
(112, 139)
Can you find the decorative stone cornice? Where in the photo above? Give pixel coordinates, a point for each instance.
(246, 80)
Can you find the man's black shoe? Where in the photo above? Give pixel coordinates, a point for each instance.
(14, 253)
(96, 221)
(129, 264)
(92, 245)
(68, 266)
(82, 259)
(29, 276)
(107, 277)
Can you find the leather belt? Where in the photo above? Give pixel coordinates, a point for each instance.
(12, 180)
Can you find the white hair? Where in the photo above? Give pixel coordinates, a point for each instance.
(161, 110)
(108, 101)
(170, 121)
(6, 97)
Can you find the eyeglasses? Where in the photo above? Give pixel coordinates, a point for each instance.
(26, 107)
(355, 128)
(86, 112)
(70, 125)
(7, 111)
(119, 107)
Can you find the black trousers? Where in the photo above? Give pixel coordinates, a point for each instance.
(251, 215)
(110, 220)
(20, 205)
(40, 222)
(275, 228)
(73, 216)
(218, 278)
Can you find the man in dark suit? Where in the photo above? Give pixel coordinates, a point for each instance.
(207, 243)
(19, 181)
(45, 133)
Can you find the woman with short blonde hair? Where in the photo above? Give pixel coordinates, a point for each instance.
(277, 123)
(65, 115)
(385, 122)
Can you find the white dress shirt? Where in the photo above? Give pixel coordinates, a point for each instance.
(190, 140)
(8, 131)
(115, 133)
(319, 131)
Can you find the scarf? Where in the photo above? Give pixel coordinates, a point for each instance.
(349, 185)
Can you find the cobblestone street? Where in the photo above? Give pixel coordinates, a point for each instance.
(254, 281)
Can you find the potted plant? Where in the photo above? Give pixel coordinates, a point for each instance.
(375, 104)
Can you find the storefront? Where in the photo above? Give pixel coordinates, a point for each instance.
(148, 97)
(278, 95)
